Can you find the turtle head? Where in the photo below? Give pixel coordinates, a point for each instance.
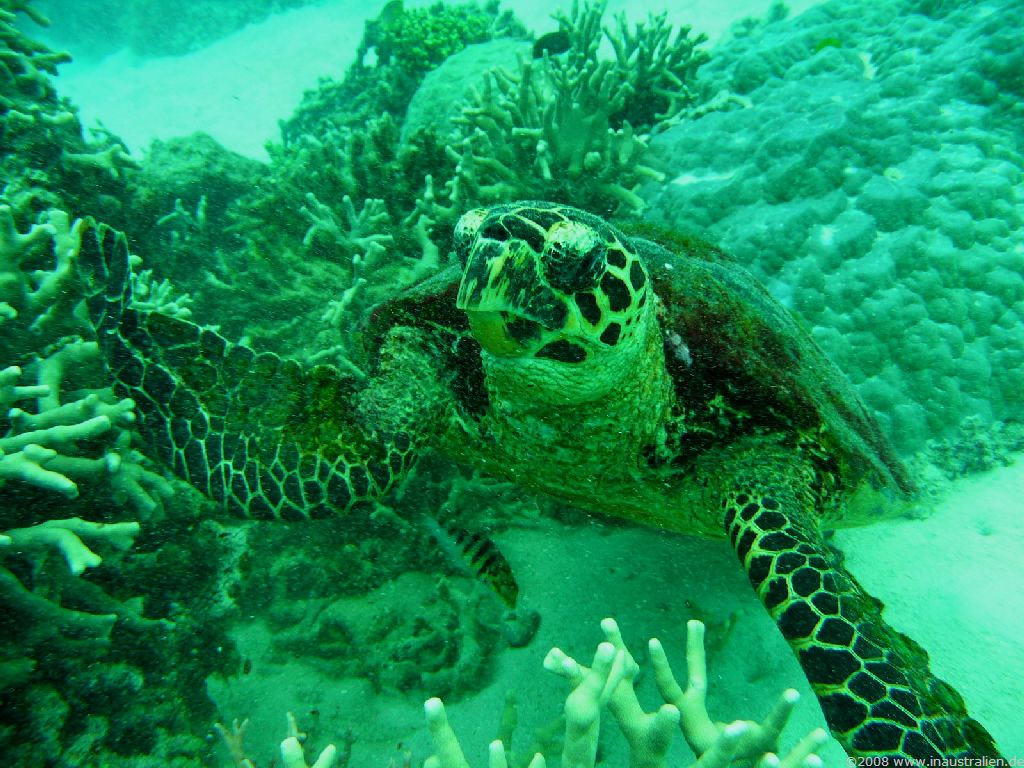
(556, 297)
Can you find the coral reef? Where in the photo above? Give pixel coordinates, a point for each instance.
(874, 185)
(77, 430)
(36, 279)
(104, 647)
(48, 619)
(609, 684)
(343, 165)
(179, 202)
(398, 48)
(71, 663)
(86, 440)
(378, 202)
(573, 127)
(976, 446)
(45, 161)
(409, 635)
(394, 619)
(375, 185)
(292, 747)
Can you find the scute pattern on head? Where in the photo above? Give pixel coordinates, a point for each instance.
(548, 280)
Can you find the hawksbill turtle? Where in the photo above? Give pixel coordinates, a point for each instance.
(662, 386)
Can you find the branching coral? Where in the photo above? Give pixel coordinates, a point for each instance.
(45, 162)
(545, 134)
(92, 678)
(383, 204)
(40, 599)
(609, 683)
(355, 241)
(662, 69)
(62, 660)
(84, 440)
(72, 433)
(36, 276)
(152, 295)
(292, 749)
(111, 161)
(357, 234)
(573, 127)
(24, 63)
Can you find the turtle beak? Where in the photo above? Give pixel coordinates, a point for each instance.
(490, 330)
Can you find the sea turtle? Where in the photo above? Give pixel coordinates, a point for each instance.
(662, 386)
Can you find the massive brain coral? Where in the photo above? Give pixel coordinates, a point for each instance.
(874, 184)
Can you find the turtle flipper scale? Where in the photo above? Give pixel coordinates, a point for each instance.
(261, 435)
(874, 684)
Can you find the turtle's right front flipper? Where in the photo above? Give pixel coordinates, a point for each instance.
(263, 435)
(875, 685)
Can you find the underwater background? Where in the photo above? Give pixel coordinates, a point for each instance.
(282, 166)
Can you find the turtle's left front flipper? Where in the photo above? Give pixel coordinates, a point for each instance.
(874, 684)
(265, 436)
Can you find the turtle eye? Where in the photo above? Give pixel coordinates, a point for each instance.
(574, 256)
(570, 269)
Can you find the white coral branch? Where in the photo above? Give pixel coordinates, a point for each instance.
(66, 536)
(609, 683)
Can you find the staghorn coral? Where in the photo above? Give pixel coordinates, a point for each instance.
(36, 279)
(64, 618)
(84, 440)
(351, 246)
(573, 128)
(609, 683)
(357, 234)
(39, 602)
(292, 748)
(89, 678)
(76, 431)
(25, 63)
(45, 162)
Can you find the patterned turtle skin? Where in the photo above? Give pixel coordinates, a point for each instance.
(665, 387)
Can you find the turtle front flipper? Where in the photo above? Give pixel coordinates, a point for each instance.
(874, 684)
(262, 435)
